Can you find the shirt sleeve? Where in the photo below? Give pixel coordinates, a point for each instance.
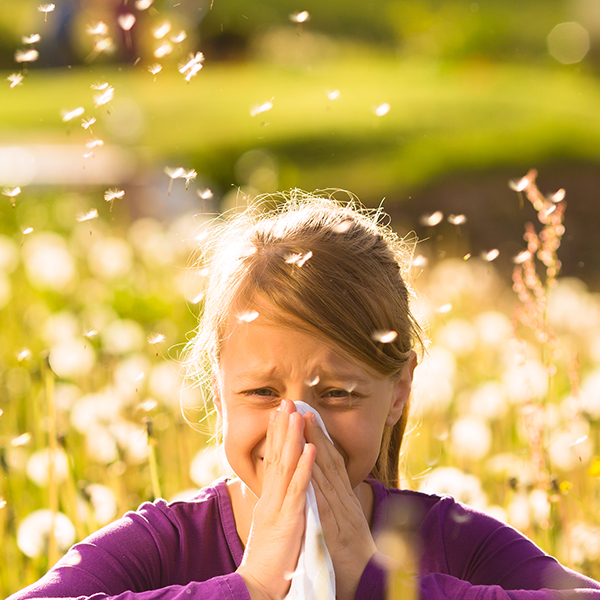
(146, 555)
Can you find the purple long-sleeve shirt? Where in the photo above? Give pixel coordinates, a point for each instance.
(191, 549)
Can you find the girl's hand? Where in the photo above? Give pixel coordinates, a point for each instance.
(273, 547)
(345, 528)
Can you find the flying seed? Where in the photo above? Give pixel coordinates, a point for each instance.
(491, 255)
(15, 79)
(92, 214)
(34, 38)
(23, 56)
(126, 21)
(432, 219)
(247, 317)
(99, 28)
(385, 337)
(262, 108)
(300, 17)
(161, 31)
(457, 219)
(382, 109)
(156, 338)
(71, 114)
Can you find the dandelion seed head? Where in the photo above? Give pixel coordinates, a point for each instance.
(99, 28)
(126, 21)
(24, 56)
(94, 144)
(25, 353)
(382, 109)
(205, 194)
(15, 79)
(113, 194)
(160, 32)
(71, 114)
(155, 69)
(46, 8)
(88, 216)
(257, 110)
(298, 259)
(491, 255)
(143, 4)
(103, 44)
(521, 185)
(300, 17)
(247, 317)
(163, 50)
(333, 95)
(180, 37)
(431, 219)
(21, 440)
(385, 337)
(457, 219)
(419, 261)
(156, 338)
(11, 192)
(105, 97)
(35, 530)
(34, 38)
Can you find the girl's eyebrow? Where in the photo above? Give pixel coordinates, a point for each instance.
(324, 374)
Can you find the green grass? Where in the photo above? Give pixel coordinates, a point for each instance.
(442, 118)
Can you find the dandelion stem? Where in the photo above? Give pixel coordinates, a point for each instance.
(152, 463)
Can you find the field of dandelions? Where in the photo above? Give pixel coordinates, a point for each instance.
(95, 311)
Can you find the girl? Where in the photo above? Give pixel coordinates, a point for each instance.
(308, 303)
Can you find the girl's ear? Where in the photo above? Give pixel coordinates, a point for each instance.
(401, 391)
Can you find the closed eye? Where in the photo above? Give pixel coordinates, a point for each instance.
(266, 392)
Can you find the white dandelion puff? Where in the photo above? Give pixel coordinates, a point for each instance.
(257, 110)
(160, 32)
(72, 114)
(126, 21)
(15, 79)
(113, 194)
(23, 56)
(385, 337)
(34, 38)
(99, 28)
(382, 109)
(432, 219)
(88, 216)
(21, 440)
(300, 17)
(247, 317)
(155, 69)
(35, 530)
(163, 50)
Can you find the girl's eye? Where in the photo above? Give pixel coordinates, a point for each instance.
(266, 392)
(338, 393)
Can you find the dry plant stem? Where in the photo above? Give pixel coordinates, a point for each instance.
(52, 444)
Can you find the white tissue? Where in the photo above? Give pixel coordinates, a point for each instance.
(314, 578)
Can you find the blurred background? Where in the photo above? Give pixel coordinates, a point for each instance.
(127, 125)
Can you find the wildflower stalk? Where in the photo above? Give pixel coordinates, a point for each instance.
(152, 463)
(52, 444)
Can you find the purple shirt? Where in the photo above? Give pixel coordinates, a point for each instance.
(191, 549)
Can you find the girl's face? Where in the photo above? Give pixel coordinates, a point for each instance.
(263, 362)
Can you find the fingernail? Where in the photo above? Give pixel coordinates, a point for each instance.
(281, 407)
(313, 418)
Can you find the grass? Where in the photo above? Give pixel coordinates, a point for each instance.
(443, 118)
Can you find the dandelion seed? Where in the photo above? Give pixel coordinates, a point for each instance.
(103, 45)
(71, 114)
(143, 4)
(156, 338)
(140, 376)
(198, 298)
(88, 216)
(247, 317)
(15, 79)
(180, 37)
(91, 333)
(161, 31)
(333, 95)
(382, 109)
(420, 261)
(189, 176)
(105, 97)
(262, 108)
(25, 353)
(521, 185)
(298, 259)
(22, 56)
(148, 405)
(113, 194)
(21, 440)
(155, 69)
(520, 258)
(2, 503)
(193, 61)
(11, 192)
(34, 38)
(558, 196)
(163, 50)
(300, 17)
(205, 194)
(579, 440)
(126, 21)
(491, 255)
(445, 308)
(99, 28)
(457, 219)
(46, 8)
(313, 382)
(86, 124)
(94, 144)
(433, 219)
(193, 72)
(27, 230)
(385, 337)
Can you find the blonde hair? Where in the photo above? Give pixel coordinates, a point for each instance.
(333, 267)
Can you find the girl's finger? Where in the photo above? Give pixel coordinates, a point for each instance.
(295, 498)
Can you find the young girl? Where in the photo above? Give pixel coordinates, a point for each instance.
(308, 303)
